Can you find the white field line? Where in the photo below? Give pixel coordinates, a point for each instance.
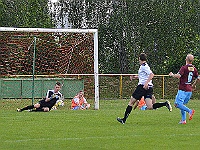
(96, 137)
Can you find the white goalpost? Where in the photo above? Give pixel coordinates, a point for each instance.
(95, 57)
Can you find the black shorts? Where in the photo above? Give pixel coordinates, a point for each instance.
(43, 103)
(49, 104)
(140, 92)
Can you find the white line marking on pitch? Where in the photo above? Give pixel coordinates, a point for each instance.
(96, 137)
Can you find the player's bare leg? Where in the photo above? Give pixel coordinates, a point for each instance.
(149, 104)
(136, 104)
(153, 99)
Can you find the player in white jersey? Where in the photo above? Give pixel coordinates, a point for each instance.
(144, 88)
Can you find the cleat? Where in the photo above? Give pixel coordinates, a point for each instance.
(168, 105)
(182, 122)
(191, 114)
(19, 110)
(120, 120)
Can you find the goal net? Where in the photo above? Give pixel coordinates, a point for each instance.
(50, 52)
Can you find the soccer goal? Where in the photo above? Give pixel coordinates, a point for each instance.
(50, 52)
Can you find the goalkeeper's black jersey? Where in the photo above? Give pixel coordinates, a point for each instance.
(51, 92)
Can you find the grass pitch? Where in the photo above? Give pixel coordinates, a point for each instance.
(97, 129)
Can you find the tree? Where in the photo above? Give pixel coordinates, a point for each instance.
(166, 30)
(20, 13)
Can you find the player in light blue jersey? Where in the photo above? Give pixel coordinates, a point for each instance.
(144, 88)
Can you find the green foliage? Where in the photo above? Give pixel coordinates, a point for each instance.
(162, 30)
(20, 13)
(165, 30)
(96, 129)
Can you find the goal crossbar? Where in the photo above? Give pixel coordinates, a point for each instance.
(48, 30)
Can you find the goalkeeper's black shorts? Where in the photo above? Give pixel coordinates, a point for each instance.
(49, 104)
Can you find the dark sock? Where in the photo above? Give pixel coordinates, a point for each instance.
(28, 107)
(37, 110)
(127, 112)
(158, 105)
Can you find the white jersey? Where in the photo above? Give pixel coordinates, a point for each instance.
(143, 74)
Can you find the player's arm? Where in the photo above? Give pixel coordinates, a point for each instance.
(151, 75)
(47, 98)
(133, 77)
(177, 75)
(85, 102)
(198, 78)
(195, 82)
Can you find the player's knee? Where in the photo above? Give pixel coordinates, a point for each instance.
(177, 105)
(149, 103)
(131, 102)
(149, 106)
(37, 105)
(46, 109)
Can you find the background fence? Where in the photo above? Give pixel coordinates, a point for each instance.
(22, 87)
(120, 86)
(111, 86)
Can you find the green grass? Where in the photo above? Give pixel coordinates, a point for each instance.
(96, 129)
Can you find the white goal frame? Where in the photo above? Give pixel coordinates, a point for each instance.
(95, 36)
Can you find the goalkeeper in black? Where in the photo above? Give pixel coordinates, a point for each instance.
(48, 102)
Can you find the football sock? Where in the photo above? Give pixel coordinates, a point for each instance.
(28, 107)
(127, 112)
(38, 110)
(158, 105)
(183, 115)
